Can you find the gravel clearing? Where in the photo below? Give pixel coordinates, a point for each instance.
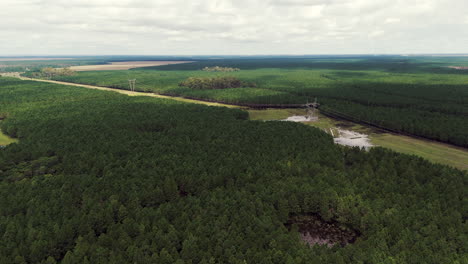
(301, 119)
(352, 139)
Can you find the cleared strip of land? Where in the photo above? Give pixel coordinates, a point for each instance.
(431, 150)
(124, 65)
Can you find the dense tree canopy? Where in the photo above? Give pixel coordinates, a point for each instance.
(99, 177)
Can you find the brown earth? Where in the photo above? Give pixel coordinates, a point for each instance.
(124, 65)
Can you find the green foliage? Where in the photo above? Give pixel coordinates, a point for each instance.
(220, 82)
(220, 69)
(99, 177)
(391, 64)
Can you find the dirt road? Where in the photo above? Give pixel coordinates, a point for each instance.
(127, 92)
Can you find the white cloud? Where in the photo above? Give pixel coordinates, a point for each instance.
(376, 33)
(232, 26)
(392, 20)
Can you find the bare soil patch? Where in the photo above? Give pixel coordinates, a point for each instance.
(297, 118)
(124, 65)
(352, 139)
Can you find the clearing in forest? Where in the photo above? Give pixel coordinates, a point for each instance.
(5, 140)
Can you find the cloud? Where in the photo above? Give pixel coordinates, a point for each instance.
(232, 26)
(392, 20)
(376, 33)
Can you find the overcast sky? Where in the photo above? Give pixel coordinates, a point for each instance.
(184, 27)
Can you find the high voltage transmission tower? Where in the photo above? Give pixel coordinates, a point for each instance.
(132, 84)
(311, 109)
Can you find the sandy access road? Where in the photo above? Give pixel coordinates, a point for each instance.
(124, 65)
(127, 92)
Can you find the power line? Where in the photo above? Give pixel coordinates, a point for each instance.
(132, 83)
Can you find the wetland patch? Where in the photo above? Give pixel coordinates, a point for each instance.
(314, 230)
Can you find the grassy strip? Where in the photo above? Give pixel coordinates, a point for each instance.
(430, 150)
(433, 151)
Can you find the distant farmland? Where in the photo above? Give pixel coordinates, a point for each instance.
(124, 65)
(31, 59)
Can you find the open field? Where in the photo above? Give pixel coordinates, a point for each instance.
(124, 65)
(433, 151)
(36, 64)
(12, 64)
